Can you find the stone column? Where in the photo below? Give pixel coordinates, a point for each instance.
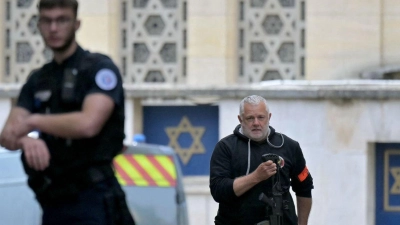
(390, 32)
(212, 42)
(99, 31)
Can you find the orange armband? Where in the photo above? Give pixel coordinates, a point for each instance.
(303, 175)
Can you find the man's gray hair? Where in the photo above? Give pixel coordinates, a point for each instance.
(253, 100)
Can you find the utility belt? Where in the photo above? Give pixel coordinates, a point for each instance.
(50, 191)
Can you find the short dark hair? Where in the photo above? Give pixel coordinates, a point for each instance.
(49, 4)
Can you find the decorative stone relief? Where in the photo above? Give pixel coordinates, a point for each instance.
(153, 41)
(271, 40)
(24, 48)
(153, 35)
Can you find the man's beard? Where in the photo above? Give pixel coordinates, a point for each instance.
(66, 45)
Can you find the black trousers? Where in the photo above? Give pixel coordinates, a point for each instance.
(101, 204)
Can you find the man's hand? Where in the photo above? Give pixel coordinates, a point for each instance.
(265, 170)
(8, 139)
(15, 128)
(11, 134)
(37, 154)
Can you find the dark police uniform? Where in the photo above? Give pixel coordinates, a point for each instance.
(79, 180)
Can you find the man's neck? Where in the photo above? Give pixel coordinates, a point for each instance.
(60, 56)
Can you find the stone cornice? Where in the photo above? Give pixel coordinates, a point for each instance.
(346, 89)
(274, 90)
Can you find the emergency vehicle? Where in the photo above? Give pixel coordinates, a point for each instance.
(149, 174)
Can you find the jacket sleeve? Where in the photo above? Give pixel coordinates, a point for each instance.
(221, 178)
(105, 78)
(302, 181)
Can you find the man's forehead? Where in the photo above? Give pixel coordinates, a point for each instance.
(56, 11)
(259, 108)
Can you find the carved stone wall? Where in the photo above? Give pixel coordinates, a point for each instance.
(153, 40)
(24, 47)
(271, 40)
(153, 36)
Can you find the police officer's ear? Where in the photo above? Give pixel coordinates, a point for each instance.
(77, 25)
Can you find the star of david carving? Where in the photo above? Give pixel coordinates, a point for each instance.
(185, 154)
(395, 171)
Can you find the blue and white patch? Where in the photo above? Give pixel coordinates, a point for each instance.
(106, 79)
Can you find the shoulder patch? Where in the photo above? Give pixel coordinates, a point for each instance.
(106, 79)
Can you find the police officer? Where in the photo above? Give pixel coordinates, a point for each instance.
(76, 104)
